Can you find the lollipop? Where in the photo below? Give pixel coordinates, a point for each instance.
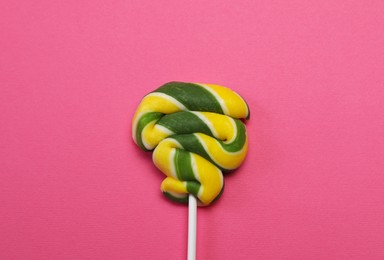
(196, 134)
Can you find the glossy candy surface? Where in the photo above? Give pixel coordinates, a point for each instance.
(196, 134)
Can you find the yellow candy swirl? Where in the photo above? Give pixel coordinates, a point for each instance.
(196, 135)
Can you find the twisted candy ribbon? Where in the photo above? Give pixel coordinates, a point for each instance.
(196, 133)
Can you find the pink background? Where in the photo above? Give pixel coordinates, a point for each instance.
(74, 186)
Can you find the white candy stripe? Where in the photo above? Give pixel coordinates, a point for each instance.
(194, 168)
(177, 195)
(213, 130)
(206, 121)
(221, 148)
(234, 127)
(217, 96)
(172, 159)
(163, 129)
(149, 125)
(168, 98)
(197, 176)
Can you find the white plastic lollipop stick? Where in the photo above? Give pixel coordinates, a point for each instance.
(192, 219)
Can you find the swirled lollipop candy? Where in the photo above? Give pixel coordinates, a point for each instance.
(196, 134)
